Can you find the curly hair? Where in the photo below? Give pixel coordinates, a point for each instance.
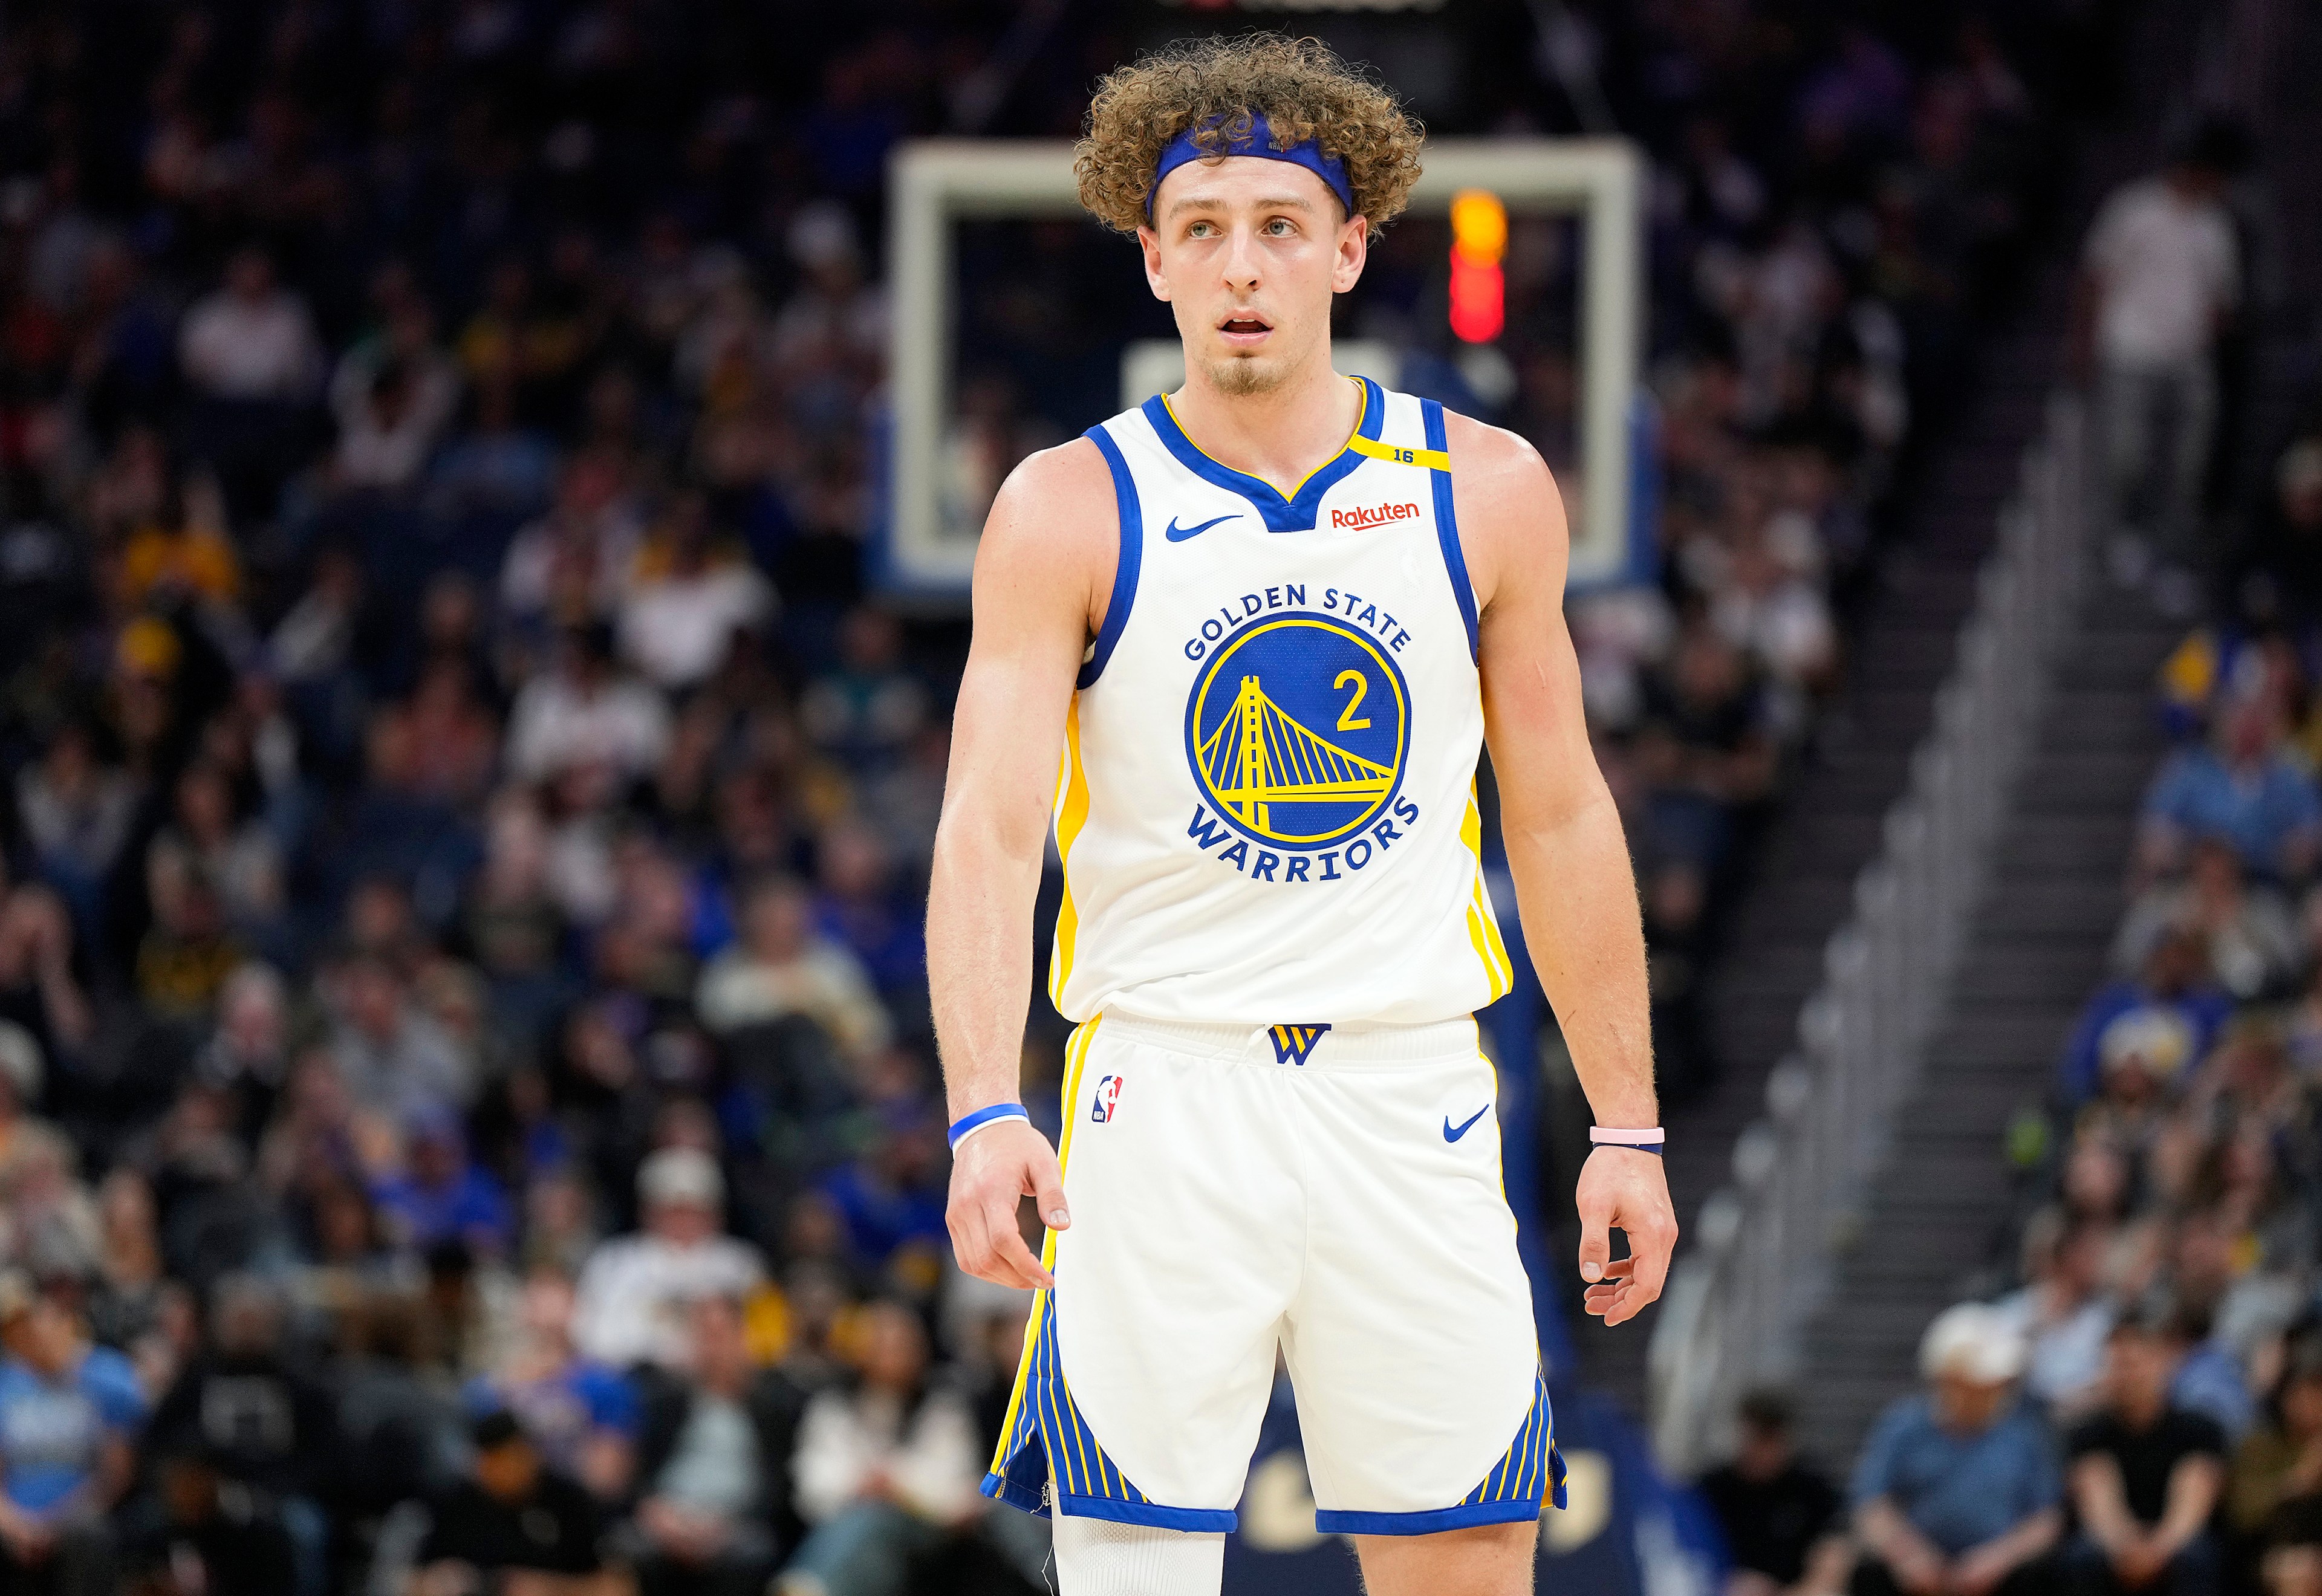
(1300, 85)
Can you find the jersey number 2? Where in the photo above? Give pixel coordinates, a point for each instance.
(1361, 684)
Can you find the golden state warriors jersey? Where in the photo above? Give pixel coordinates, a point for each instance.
(1267, 810)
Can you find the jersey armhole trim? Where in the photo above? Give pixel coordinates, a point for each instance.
(1446, 523)
(1124, 570)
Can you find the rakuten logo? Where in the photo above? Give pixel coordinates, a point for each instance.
(1373, 515)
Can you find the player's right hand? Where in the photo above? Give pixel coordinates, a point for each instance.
(990, 1173)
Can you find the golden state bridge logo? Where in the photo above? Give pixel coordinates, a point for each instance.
(1297, 733)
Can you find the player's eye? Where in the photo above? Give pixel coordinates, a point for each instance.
(1201, 230)
(1280, 227)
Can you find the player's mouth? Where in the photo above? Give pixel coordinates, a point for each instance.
(1245, 330)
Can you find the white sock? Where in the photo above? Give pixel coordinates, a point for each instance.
(1098, 1557)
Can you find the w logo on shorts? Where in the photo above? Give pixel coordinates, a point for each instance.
(1107, 1100)
(1293, 1045)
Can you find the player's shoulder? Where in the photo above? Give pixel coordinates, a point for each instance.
(1054, 524)
(1490, 454)
(1510, 509)
(1073, 466)
(1056, 500)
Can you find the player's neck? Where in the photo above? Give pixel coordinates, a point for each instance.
(1281, 436)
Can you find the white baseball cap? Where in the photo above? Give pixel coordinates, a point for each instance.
(1973, 1341)
(681, 1174)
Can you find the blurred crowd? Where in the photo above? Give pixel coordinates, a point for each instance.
(2141, 1408)
(468, 1111)
(1817, 276)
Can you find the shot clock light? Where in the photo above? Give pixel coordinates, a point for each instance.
(1479, 238)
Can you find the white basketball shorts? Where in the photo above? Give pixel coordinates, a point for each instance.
(1331, 1192)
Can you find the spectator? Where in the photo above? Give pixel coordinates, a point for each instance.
(1779, 1513)
(132, 1298)
(267, 1424)
(2242, 787)
(392, 397)
(780, 967)
(1705, 748)
(182, 552)
(583, 715)
(38, 988)
(2171, 997)
(567, 568)
(250, 354)
(2249, 937)
(2208, 1380)
(249, 1053)
(2064, 1314)
(867, 711)
(1958, 1487)
(2279, 567)
(2161, 273)
(2278, 1463)
(633, 1296)
(393, 1058)
(860, 907)
(686, 597)
(2145, 1476)
(2293, 1556)
(77, 814)
(69, 1413)
(27, 1142)
(252, 341)
(188, 951)
(440, 1196)
(714, 1466)
(516, 1525)
(238, 858)
(892, 1196)
(200, 1535)
(581, 1415)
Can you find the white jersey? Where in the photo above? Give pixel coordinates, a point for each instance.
(1267, 812)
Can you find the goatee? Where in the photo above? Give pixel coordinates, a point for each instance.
(1240, 378)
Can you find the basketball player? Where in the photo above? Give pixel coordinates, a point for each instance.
(1245, 643)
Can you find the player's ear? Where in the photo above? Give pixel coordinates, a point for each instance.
(1150, 242)
(1354, 249)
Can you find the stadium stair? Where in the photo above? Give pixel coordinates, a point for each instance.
(2041, 935)
(1829, 826)
(1943, 1206)
(1942, 1213)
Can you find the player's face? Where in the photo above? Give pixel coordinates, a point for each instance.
(1247, 252)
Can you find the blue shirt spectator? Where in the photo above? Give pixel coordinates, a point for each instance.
(1959, 1489)
(581, 1414)
(564, 1408)
(62, 1403)
(2209, 1381)
(2245, 789)
(443, 1197)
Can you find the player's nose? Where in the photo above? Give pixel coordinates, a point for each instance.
(1241, 260)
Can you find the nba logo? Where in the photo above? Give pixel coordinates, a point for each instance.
(1108, 1098)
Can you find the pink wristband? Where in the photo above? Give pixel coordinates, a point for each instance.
(1648, 1140)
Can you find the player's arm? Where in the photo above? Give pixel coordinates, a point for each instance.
(1042, 575)
(1575, 888)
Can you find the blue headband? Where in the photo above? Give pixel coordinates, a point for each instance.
(1259, 142)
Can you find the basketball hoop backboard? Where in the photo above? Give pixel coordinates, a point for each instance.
(930, 549)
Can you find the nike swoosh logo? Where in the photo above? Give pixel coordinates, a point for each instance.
(1178, 534)
(1452, 1136)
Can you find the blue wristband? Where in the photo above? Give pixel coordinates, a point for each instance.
(977, 1121)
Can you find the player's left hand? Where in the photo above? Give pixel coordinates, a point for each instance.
(1625, 1190)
